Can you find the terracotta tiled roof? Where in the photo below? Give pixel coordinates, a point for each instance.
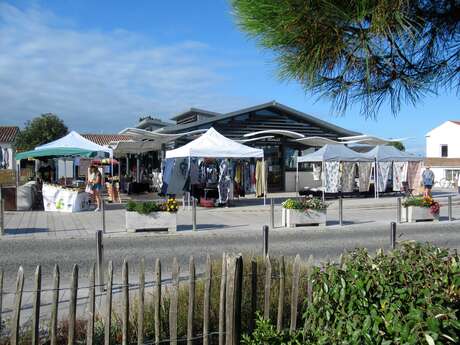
(8, 133)
(442, 162)
(106, 139)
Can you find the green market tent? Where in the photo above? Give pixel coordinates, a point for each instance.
(55, 152)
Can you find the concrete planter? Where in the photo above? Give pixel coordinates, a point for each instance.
(152, 221)
(291, 218)
(413, 214)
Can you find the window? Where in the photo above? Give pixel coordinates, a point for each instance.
(452, 174)
(444, 152)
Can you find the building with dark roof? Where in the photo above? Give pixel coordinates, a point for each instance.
(271, 126)
(8, 136)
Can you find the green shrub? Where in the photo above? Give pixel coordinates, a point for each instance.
(409, 296)
(143, 207)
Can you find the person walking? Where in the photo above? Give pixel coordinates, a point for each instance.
(95, 180)
(428, 180)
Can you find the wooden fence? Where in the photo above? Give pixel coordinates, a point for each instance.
(293, 285)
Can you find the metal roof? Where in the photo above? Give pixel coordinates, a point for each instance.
(197, 111)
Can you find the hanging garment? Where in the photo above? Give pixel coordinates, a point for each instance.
(331, 177)
(167, 173)
(224, 182)
(178, 177)
(194, 172)
(365, 170)
(348, 177)
(1, 158)
(413, 174)
(316, 171)
(399, 175)
(259, 179)
(383, 170)
(6, 158)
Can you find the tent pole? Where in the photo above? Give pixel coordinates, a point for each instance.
(323, 175)
(264, 179)
(297, 178)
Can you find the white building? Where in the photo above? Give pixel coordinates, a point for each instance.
(7, 151)
(443, 151)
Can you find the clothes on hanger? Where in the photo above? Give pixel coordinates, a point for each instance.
(316, 171)
(178, 177)
(414, 174)
(167, 173)
(331, 177)
(365, 171)
(224, 182)
(259, 179)
(399, 175)
(348, 177)
(383, 172)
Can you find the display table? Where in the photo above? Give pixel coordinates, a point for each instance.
(60, 199)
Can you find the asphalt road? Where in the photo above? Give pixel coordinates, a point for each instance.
(323, 244)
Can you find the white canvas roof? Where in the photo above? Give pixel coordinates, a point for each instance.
(334, 153)
(75, 140)
(213, 144)
(386, 153)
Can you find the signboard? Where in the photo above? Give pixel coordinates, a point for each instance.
(7, 177)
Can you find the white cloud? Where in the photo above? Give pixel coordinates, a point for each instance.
(96, 81)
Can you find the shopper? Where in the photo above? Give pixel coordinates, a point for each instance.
(428, 180)
(95, 180)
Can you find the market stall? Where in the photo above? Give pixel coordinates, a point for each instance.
(335, 165)
(62, 199)
(401, 166)
(181, 166)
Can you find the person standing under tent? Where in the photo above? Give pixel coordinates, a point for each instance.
(428, 180)
(95, 180)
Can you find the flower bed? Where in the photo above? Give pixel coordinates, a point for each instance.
(419, 208)
(306, 211)
(145, 216)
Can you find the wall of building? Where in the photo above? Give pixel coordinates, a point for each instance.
(446, 134)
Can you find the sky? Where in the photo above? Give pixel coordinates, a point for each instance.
(100, 65)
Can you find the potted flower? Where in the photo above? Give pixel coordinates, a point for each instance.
(151, 215)
(420, 208)
(306, 211)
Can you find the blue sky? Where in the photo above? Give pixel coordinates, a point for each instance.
(102, 64)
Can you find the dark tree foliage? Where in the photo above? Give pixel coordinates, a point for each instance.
(360, 51)
(41, 130)
(399, 145)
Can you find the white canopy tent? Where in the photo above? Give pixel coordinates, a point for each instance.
(330, 153)
(213, 144)
(75, 140)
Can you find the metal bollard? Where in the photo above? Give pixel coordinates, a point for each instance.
(100, 259)
(193, 214)
(2, 215)
(398, 211)
(449, 207)
(272, 214)
(265, 239)
(393, 235)
(103, 214)
(340, 210)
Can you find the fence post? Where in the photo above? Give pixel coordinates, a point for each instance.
(91, 307)
(191, 301)
(140, 316)
(340, 209)
(36, 306)
(125, 296)
(103, 214)
(268, 281)
(17, 307)
(393, 235)
(238, 297)
(207, 301)
(193, 214)
(295, 292)
(54, 305)
(253, 295)
(157, 300)
(173, 305)
(100, 259)
(108, 305)
(73, 306)
(265, 239)
(232, 300)
(223, 286)
(1, 296)
(279, 322)
(272, 213)
(449, 207)
(2, 214)
(398, 210)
